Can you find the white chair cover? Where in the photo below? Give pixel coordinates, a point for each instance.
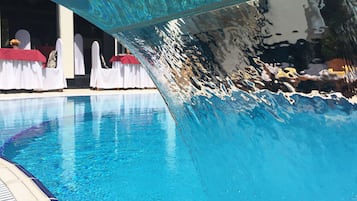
(53, 78)
(103, 78)
(25, 39)
(79, 68)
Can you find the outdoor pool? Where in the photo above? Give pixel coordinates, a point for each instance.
(112, 147)
(263, 92)
(128, 147)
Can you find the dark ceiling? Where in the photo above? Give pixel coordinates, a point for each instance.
(36, 16)
(39, 17)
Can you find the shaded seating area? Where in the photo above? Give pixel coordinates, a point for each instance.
(26, 69)
(126, 72)
(42, 23)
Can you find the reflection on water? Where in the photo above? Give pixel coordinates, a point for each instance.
(230, 72)
(113, 147)
(19, 116)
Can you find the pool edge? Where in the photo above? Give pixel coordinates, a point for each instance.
(22, 184)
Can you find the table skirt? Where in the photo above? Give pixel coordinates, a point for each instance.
(17, 74)
(133, 76)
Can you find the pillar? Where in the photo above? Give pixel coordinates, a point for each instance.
(66, 33)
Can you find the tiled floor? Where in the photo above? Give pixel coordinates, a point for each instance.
(15, 185)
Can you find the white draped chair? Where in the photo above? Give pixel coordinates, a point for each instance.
(25, 39)
(79, 68)
(53, 78)
(103, 78)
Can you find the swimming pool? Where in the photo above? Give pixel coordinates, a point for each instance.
(127, 147)
(112, 147)
(259, 89)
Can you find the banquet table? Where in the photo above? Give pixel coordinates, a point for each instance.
(132, 73)
(21, 69)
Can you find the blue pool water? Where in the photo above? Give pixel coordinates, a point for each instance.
(117, 147)
(274, 149)
(127, 147)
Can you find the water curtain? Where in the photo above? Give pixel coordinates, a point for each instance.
(262, 91)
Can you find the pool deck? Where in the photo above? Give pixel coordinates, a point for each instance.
(71, 92)
(16, 184)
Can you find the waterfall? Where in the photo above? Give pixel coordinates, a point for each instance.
(262, 91)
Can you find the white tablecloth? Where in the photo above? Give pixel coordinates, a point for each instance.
(17, 74)
(133, 76)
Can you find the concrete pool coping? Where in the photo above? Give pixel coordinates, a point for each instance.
(16, 184)
(71, 92)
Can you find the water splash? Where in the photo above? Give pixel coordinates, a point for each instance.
(261, 90)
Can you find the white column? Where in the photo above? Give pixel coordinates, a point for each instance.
(115, 46)
(66, 33)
